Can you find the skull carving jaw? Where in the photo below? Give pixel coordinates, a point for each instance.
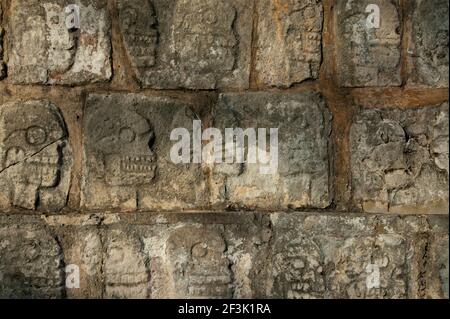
(31, 150)
(123, 143)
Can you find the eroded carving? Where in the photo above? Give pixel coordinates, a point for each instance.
(138, 23)
(35, 160)
(2, 64)
(127, 153)
(289, 41)
(199, 266)
(44, 50)
(299, 270)
(31, 263)
(368, 56)
(430, 42)
(400, 160)
(200, 44)
(302, 176)
(125, 267)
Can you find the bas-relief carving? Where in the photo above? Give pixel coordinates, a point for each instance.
(35, 159)
(2, 31)
(192, 44)
(43, 50)
(126, 158)
(198, 265)
(368, 56)
(290, 41)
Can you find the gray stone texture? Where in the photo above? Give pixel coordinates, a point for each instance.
(44, 51)
(303, 175)
(289, 48)
(429, 48)
(399, 160)
(127, 161)
(222, 255)
(367, 56)
(195, 44)
(35, 157)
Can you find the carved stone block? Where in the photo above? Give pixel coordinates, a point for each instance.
(31, 263)
(368, 54)
(199, 44)
(44, 50)
(355, 257)
(399, 160)
(301, 174)
(35, 158)
(289, 41)
(429, 49)
(127, 160)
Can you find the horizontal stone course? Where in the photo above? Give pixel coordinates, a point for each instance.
(228, 255)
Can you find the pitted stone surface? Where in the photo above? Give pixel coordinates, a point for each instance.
(31, 262)
(367, 56)
(302, 177)
(196, 44)
(356, 257)
(289, 41)
(399, 160)
(127, 162)
(429, 50)
(44, 51)
(35, 158)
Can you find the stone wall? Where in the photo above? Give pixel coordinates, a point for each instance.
(86, 178)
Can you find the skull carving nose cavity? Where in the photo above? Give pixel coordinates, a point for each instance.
(14, 155)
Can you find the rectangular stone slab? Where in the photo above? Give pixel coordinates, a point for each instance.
(399, 160)
(289, 41)
(195, 44)
(127, 162)
(428, 51)
(367, 56)
(302, 178)
(44, 51)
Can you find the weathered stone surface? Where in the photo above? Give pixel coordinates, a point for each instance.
(367, 56)
(429, 48)
(399, 160)
(289, 41)
(43, 50)
(127, 161)
(200, 44)
(2, 64)
(31, 262)
(356, 257)
(35, 158)
(302, 177)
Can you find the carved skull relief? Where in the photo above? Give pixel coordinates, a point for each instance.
(32, 138)
(122, 142)
(138, 25)
(198, 264)
(203, 35)
(300, 270)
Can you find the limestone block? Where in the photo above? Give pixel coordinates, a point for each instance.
(127, 162)
(399, 160)
(43, 50)
(302, 173)
(429, 48)
(289, 48)
(35, 158)
(2, 31)
(195, 44)
(31, 263)
(368, 55)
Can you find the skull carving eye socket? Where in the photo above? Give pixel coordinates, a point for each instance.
(36, 135)
(127, 135)
(200, 250)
